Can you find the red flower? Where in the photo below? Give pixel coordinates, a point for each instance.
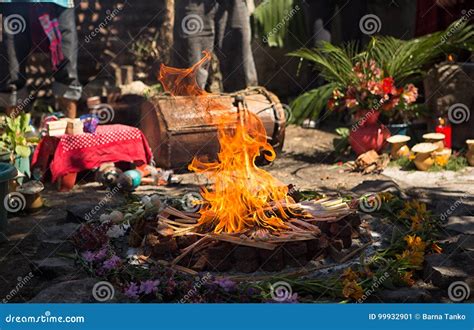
(387, 85)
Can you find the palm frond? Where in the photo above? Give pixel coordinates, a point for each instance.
(334, 63)
(276, 20)
(311, 103)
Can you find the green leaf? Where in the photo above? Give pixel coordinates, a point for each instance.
(23, 151)
(311, 103)
(279, 22)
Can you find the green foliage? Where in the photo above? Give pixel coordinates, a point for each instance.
(280, 21)
(13, 139)
(404, 60)
(311, 103)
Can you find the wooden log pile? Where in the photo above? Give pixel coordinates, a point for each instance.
(325, 227)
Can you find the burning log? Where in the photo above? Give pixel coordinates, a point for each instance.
(246, 208)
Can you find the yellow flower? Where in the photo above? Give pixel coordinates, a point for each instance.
(349, 275)
(386, 196)
(352, 290)
(408, 278)
(415, 243)
(414, 258)
(436, 248)
(416, 221)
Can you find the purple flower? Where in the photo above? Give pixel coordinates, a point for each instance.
(88, 256)
(226, 284)
(112, 263)
(101, 254)
(132, 290)
(149, 286)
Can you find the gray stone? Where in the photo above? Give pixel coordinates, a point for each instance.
(442, 270)
(405, 295)
(374, 186)
(75, 291)
(53, 267)
(461, 224)
(59, 233)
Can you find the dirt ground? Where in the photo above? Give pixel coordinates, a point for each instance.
(307, 162)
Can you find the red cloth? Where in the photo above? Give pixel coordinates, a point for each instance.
(76, 153)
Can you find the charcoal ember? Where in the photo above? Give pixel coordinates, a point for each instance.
(246, 265)
(334, 229)
(165, 248)
(323, 226)
(220, 257)
(221, 250)
(354, 220)
(271, 260)
(323, 242)
(245, 252)
(137, 233)
(334, 253)
(164, 231)
(346, 241)
(151, 240)
(202, 263)
(313, 249)
(186, 240)
(344, 231)
(295, 253)
(337, 244)
(294, 193)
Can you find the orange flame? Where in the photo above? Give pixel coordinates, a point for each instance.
(243, 196)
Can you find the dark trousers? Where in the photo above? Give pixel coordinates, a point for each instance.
(16, 47)
(221, 26)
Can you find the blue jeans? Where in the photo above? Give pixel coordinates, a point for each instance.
(15, 49)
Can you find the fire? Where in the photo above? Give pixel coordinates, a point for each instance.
(243, 196)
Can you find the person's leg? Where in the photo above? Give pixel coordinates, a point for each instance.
(66, 86)
(14, 51)
(194, 32)
(234, 43)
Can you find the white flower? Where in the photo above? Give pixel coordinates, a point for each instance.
(116, 231)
